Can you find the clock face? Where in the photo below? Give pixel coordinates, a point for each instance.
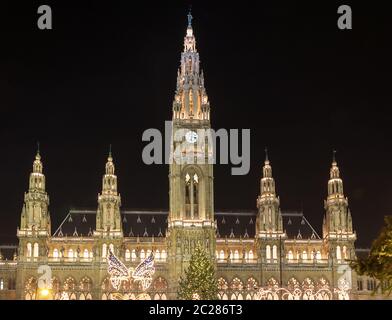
(191, 136)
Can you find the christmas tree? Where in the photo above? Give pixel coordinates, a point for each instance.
(199, 281)
(379, 262)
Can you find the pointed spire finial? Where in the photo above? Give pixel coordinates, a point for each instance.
(110, 150)
(190, 17)
(333, 156)
(266, 154)
(38, 156)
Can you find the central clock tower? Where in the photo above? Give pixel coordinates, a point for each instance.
(191, 215)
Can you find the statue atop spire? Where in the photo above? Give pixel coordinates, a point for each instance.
(190, 17)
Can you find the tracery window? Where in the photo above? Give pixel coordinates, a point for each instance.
(191, 195)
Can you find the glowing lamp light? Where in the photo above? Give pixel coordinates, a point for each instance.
(44, 294)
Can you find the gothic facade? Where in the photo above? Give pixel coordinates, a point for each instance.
(266, 248)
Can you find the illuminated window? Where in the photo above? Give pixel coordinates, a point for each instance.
(29, 251)
(142, 254)
(70, 254)
(290, 255)
(55, 253)
(318, 255)
(221, 255)
(127, 255)
(345, 252)
(157, 255)
(236, 255)
(104, 250)
(250, 255)
(36, 250)
(268, 252)
(274, 252)
(163, 255)
(1, 284)
(85, 254)
(111, 247)
(304, 255)
(338, 253)
(133, 255)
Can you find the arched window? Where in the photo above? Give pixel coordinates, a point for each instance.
(191, 195)
(290, 256)
(160, 285)
(250, 255)
(85, 284)
(268, 253)
(133, 255)
(55, 253)
(236, 284)
(36, 250)
(163, 255)
(236, 255)
(142, 254)
(29, 250)
(85, 254)
(345, 252)
(127, 255)
(111, 247)
(104, 250)
(304, 255)
(70, 254)
(1, 284)
(338, 253)
(157, 255)
(318, 255)
(222, 255)
(274, 252)
(222, 284)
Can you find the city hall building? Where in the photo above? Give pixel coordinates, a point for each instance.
(278, 252)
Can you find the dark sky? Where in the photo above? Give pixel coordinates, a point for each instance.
(107, 71)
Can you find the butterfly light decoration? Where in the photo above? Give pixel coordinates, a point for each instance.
(119, 272)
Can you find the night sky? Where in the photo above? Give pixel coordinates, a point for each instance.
(107, 71)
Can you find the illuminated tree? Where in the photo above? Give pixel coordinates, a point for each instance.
(379, 262)
(199, 279)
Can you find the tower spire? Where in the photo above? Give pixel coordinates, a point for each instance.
(109, 202)
(38, 149)
(266, 155)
